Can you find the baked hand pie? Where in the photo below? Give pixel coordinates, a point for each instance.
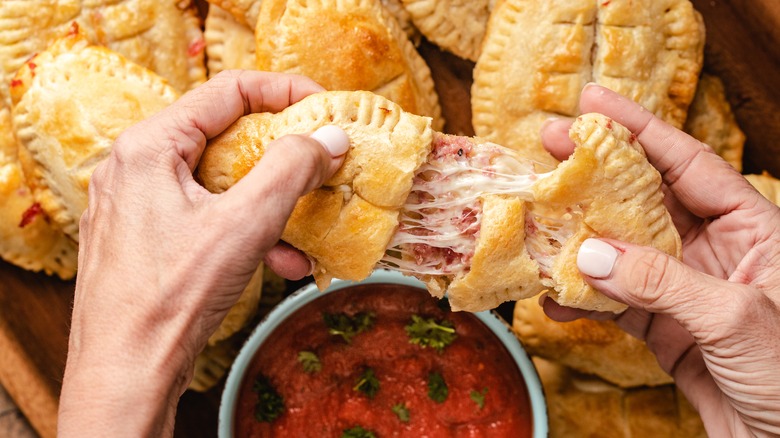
(245, 12)
(592, 347)
(606, 188)
(346, 45)
(161, 35)
(537, 56)
(356, 211)
(27, 238)
(711, 121)
(70, 103)
(457, 26)
(579, 405)
(470, 218)
(229, 43)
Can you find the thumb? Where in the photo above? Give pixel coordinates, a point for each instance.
(292, 166)
(654, 281)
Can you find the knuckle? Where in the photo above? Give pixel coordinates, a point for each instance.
(656, 275)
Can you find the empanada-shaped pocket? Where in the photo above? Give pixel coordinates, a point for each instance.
(607, 188)
(27, 238)
(346, 45)
(70, 103)
(229, 44)
(593, 347)
(162, 35)
(356, 211)
(537, 57)
(457, 26)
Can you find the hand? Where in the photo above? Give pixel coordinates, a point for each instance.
(713, 320)
(162, 260)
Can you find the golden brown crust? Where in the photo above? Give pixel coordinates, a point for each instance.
(243, 11)
(711, 121)
(372, 52)
(37, 246)
(501, 269)
(163, 36)
(70, 103)
(591, 347)
(652, 52)
(454, 25)
(583, 406)
(608, 189)
(767, 185)
(536, 58)
(229, 44)
(356, 211)
(396, 9)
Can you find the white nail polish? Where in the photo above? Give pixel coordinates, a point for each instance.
(333, 139)
(596, 258)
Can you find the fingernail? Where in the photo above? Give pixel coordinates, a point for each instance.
(312, 264)
(596, 258)
(593, 84)
(542, 298)
(548, 121)
(333, 139)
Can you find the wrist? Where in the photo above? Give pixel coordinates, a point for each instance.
(126, 362)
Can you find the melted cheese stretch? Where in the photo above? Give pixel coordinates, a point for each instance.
(441, 219)
(545, 237)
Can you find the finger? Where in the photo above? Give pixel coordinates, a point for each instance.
(208, 110)
(683, 161)
(288, 262)
(560, 313)
(555, 137)
(648, 279)
(292, 166)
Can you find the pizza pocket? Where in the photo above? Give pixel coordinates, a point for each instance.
(470, 218)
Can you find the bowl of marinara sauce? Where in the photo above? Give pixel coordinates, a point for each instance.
(380, 358)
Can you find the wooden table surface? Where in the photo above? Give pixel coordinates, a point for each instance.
(742, 49)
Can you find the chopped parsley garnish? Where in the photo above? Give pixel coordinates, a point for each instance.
(311, 363)
(437, 388)
(357, 432)
(401, 411)
(340, 324)
(479, 397)
(270, 405)
(367, 383)
(427, 332)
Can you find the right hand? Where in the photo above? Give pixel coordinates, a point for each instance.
(713, 319)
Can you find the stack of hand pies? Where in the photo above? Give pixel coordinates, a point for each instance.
(480, 222)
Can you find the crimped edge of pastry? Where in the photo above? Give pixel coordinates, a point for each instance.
(618, 193)
(47, 193)
(221, 26)
(435, 20)
(356, 211)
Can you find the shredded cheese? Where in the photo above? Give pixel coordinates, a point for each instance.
(545, 237)
(442, 217)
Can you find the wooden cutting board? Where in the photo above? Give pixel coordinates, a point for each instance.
(743, 48)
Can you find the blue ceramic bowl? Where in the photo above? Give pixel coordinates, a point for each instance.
(309, 293)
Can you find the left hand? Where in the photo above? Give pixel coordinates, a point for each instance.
(162, 260)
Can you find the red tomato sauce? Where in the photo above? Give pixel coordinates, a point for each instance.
(325, 403)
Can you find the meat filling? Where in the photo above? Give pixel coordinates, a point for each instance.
(442, 217)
